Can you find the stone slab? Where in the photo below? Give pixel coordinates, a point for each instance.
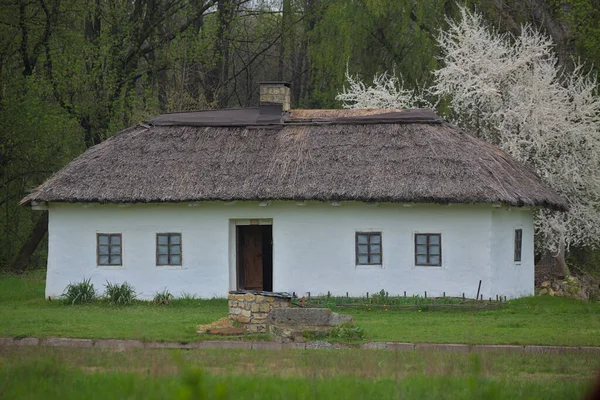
(210, 344)
(67, 342)
(118, 344)
(374, 346)
(266, 346)
(497, 347)
(399, 346)
(549, 349)
(293, 346)
(28, 341)
(307, 317)
(6, 341)
(442, 347)
(590, 349)
(167, 345)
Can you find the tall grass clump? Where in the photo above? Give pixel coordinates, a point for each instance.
(123, 294)
(80, 292)
(163, 298)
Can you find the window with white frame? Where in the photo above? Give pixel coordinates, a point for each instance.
(108, 249)
(428, 249)
(168, 249)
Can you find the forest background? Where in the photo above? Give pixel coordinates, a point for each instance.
(73, 72)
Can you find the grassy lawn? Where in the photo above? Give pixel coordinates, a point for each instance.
(538, 320)
(245, 374)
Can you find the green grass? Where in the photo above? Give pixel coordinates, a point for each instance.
(243, 374)
(535, 320)
(25, 312)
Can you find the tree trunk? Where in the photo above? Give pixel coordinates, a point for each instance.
(36, 235)
(561, 262)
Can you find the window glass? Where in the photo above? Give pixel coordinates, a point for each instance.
(421, 239)
(163, 239)
(163, 259)
(102, 239)
(422, 249)
(421, 259)
(163, 249)
(362, 239)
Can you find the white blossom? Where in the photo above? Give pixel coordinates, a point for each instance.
(510, 91)
(387, 92)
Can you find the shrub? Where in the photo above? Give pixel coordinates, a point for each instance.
(116, 294)
(187, 296)
(162, 298)
(347, 332)
(80, 292)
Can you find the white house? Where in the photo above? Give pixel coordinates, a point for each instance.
(301, 201)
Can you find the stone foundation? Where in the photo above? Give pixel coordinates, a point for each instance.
(251, 308)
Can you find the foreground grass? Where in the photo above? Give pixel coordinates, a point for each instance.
(537, 320)
(243, 374)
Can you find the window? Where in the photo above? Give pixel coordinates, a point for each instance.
(428, 249)
(368, 248)
(168, 249)
(518, 244)
(108, 249)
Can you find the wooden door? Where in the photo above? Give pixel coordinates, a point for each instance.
(251, 257)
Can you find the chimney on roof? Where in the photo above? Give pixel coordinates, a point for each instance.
(272, 93)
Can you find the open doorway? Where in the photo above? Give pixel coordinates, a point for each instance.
(254, 244)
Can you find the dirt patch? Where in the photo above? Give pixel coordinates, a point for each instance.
(220, 323)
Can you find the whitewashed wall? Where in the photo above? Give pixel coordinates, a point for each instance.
(313, 247)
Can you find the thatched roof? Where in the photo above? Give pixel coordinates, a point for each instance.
(320, 155)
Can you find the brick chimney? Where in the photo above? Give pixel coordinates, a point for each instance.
(272, 93)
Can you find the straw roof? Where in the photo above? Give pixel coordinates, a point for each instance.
(319, 155)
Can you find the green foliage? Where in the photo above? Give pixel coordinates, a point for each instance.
(163, 298)
(347, 332)
(115, 294)
(80, 292)
(372, 37)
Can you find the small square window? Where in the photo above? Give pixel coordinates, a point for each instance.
(428, 249)
(108, 249)
(168, 249)
(518, 244)
(368, 248)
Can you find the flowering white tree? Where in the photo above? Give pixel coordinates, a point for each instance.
(510, 91)
(387, 91)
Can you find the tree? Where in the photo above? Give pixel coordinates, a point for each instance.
(509, 90)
